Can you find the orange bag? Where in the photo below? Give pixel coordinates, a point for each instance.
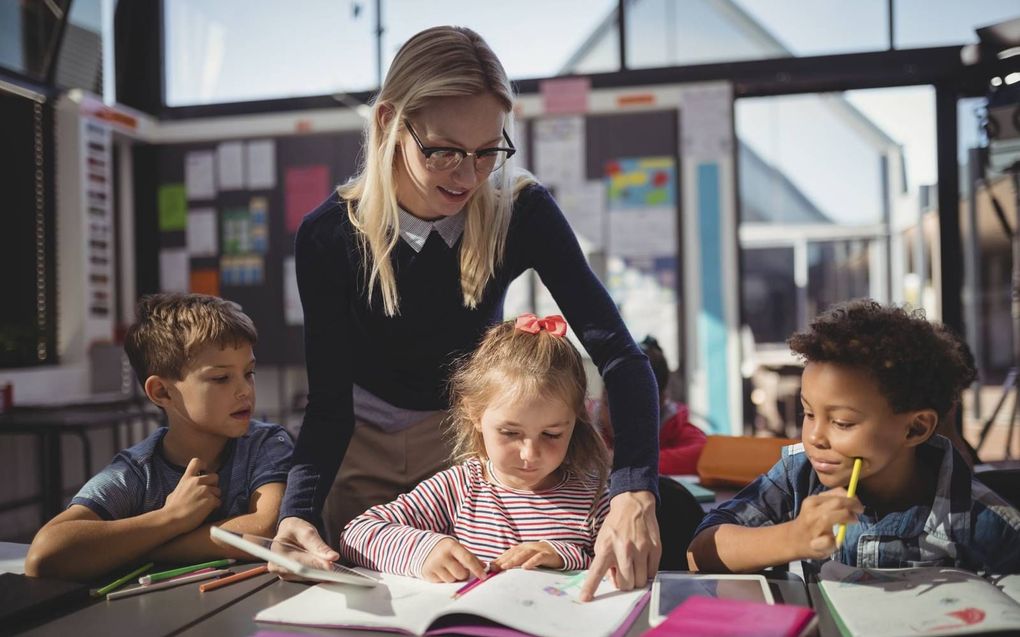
(738, 460)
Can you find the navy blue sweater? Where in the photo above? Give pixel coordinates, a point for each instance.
(406, 359)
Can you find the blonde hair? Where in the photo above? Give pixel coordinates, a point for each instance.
(439, 62)
(511, 364)
(171, 328)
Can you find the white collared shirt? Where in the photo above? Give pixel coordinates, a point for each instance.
(416, 231)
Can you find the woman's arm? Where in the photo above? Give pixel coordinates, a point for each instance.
(324, 281)
(629, 538)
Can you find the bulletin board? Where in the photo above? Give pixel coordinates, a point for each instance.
(227, 214)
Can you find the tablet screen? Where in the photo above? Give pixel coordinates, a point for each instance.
(293, 558)
(669, 590)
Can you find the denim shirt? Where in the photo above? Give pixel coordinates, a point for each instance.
(966, 525)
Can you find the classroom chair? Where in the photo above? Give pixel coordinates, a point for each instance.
(735, 461)
(679, 514)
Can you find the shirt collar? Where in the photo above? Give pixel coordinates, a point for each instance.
(416, 231)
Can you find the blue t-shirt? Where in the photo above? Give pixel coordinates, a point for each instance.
(139, 479)
(966, 525)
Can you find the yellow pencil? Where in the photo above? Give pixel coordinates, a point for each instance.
(851, 490)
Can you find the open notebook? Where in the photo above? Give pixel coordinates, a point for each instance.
(542, 603)
(919, 601)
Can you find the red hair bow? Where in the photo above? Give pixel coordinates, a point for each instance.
(531, 324)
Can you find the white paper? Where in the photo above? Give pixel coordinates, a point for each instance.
(173, 270)
(261, 164)
(559, 150)
(706, 122)
(230, 165)
(293, 313)
(917, 601)
(584, 206)
(202, 232)
(642, 232)
(199, 175)
(538, 602)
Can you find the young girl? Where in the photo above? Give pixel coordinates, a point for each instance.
(530, 489)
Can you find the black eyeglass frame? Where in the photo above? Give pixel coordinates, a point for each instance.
(428, 151)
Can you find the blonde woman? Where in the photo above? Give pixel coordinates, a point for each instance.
(403, 269)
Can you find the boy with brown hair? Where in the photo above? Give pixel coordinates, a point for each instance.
(193, 355)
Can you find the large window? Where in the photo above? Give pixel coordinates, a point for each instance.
(237, 50)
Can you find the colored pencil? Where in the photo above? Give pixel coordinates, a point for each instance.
(226, 581)
(170, 583)
(174, 572)
(851, 490)
(117, 583)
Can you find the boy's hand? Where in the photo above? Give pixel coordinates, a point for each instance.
(449, 561)
(812, 529)
(195, 496)
(529, 555)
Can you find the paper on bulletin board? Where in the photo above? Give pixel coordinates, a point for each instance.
(173, 270)
(173, 207)
(202, 233)
(205, 281)
(584, 206)
(261, 164)
(258, 225)
(242, 270)
(236, 231)
(293, 313)
(647, 232)
(199, 175)
(559, 150)
(230, 165)
(305, 187)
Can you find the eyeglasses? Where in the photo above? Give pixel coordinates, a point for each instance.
(442, 158)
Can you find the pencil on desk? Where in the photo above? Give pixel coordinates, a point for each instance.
(117, 583)
(851, 490)
(473, 582)
(163, 575)
(243, 575)
(170, 583)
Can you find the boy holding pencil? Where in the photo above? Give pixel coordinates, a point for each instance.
(193, 355)
(877, 383)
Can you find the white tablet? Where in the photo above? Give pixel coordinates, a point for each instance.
(669, 590)
(286, 555)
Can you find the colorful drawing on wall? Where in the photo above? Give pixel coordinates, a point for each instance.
(641, 182)
(242, 270)
(236, 231)
(173, 207)
(258, 228)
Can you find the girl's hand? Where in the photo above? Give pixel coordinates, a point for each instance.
(301, 533)
(813, 528)
(529, 555)
(449, 561)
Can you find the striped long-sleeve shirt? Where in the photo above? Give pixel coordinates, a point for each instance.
(488, 519)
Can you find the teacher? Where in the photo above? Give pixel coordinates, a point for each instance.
(402, 270)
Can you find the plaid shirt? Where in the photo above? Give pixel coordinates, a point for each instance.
(967, 525)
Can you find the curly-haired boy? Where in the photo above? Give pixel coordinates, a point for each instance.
(877, 381)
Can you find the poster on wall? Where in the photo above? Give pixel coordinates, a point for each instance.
(173, 207)
(230, 165)
(260, 164)
(199, 175)
(305, 187)
(202, 232)
(560, 150)
(99, 281)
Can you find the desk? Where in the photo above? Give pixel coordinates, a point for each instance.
(49, 425)
(238, 619)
